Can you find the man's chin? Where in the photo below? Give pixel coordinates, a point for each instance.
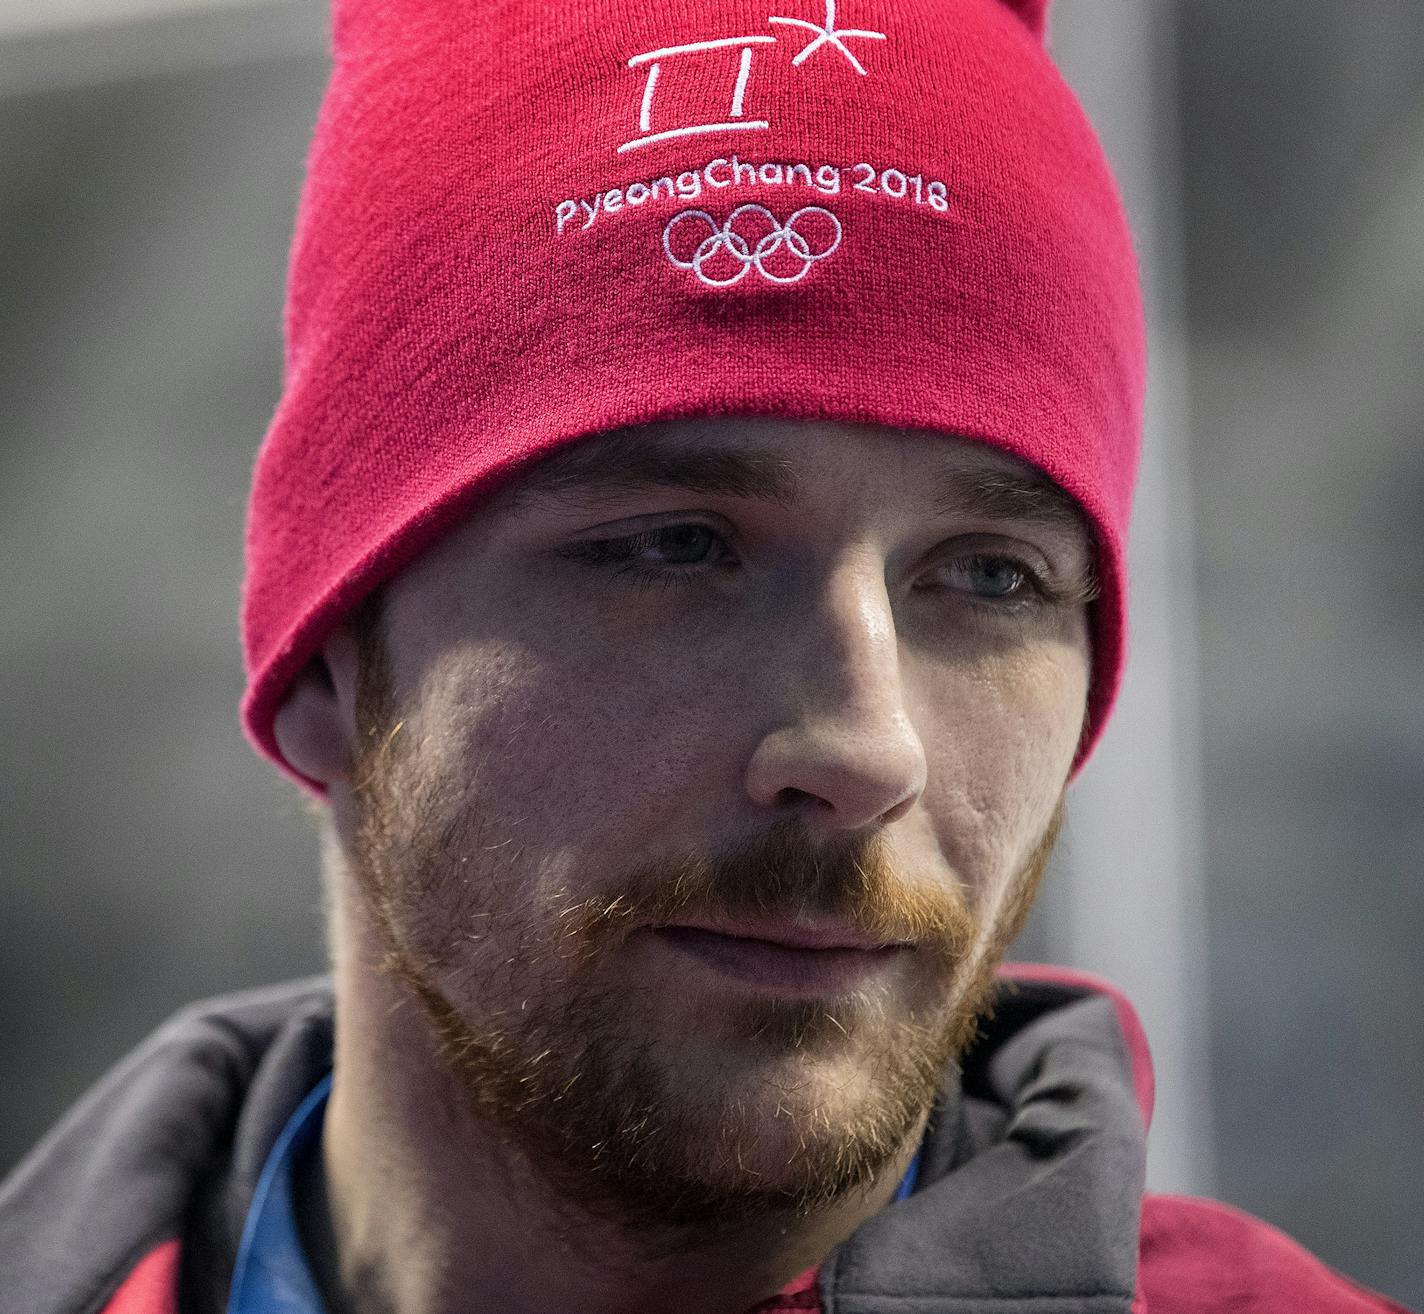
(821, 1063)
(790, 1143)
(702, 1135)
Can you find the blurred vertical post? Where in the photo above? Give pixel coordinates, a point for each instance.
(1130, 904)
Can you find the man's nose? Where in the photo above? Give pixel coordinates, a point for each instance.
(841, 750)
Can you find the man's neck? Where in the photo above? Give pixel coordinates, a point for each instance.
(412, 1206)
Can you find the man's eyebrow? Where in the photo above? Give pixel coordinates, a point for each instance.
(1006, 495)
(617, 463)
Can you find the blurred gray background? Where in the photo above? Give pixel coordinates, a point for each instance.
(1244, 852)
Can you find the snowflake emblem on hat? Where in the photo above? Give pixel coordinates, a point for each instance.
(828, 35)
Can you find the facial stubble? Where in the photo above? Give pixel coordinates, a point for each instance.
(554, 1055)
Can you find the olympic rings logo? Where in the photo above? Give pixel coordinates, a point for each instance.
(731, 254)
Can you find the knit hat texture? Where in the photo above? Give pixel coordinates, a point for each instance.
(529, 221)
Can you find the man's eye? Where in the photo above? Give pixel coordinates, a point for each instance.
(997, 577)
(659, 551)
(996, 581)
(679, 545)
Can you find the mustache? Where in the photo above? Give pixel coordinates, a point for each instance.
(781, 874)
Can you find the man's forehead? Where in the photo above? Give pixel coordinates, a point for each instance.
(767, 460)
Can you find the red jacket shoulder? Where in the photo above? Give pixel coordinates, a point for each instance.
(151, 1286)
(1202, 1257)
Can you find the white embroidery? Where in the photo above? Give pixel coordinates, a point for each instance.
(693, 46)
(654, 60)
(829, 33)
(689, 132)
(741, 82)
(720, 256)
(891, 184)
(645, 119)
(746, 256)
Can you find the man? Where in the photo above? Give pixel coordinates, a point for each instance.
(686, 565)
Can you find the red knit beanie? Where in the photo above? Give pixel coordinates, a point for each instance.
(525, 221)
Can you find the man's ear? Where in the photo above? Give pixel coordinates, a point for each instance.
(315, 727)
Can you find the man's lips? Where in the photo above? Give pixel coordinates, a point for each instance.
(781, 957)
(785, 933)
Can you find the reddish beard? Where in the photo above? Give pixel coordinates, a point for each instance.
(598, 1105)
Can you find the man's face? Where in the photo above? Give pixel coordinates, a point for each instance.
(706, 771)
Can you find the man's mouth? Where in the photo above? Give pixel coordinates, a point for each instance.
(782, 956)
